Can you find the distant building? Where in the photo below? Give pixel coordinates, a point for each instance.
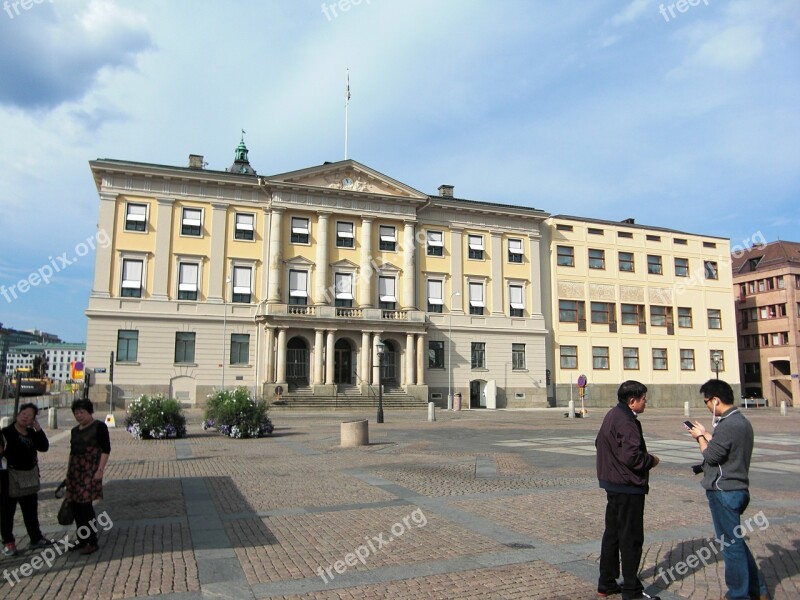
(59, 357)
(766, 284)
(10, 338)
(628, 301)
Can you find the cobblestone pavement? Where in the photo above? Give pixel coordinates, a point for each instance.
(479, 504)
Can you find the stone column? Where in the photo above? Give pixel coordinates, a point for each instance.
(329, 356)
(162, 252)
(497, 283)
(319, 349)
(456, 269)
(365, 279)
(216, 277)
(536, 276)
(365, 356)
(281, 374)
(410, 360)
(269, 355)
(421, 359)
(275, 256)
(321, 273)
(104, 254)
(409, 269)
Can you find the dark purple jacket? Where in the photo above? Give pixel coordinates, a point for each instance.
(623, 464)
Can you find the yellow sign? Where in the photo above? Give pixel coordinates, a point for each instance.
(76, 370)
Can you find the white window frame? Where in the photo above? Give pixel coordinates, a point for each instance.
(340, 293)
(135, 216)
(243, 226)
(132, 257)
(300, 290)
(192, 221)
(474, 285)
(521, 303)
(430, 298)
(518, 250)
(390, 295)
(299, 229)
(432, 241)
(342, 233)
(187, 286)
(475, 242)
(240, 289)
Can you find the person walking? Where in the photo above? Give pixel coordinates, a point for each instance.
(90, 447)
(726, 479)
(623, 471)
(21, 442)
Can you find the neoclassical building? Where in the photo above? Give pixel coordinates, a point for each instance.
(292, 281)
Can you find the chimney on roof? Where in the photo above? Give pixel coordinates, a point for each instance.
(196, 161)
(446, 191)
(629, 221)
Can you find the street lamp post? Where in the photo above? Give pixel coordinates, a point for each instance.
(381, 348)
(717, 358)
(450, 351)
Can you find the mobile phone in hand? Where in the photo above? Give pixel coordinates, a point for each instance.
(688, 424)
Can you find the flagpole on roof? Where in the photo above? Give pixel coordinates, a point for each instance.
(346, 102)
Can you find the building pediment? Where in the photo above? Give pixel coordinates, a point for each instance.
(388, 267)
(299, 261)
(348, 176)
(344, 264)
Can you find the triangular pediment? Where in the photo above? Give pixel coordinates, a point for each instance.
(388, 267)
(344, 264)
(299, 261)
(349, 176)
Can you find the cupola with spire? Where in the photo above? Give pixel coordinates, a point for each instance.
(240, 163)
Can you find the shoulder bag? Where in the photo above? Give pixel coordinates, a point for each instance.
(23, 483)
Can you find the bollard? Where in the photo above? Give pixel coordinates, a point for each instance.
(687, 412)
(572, 409)
(783, 408)
(52, 418)
(457, 401)
(431, 412)
(354, 433)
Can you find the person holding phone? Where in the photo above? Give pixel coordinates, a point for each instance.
(623, 471)
(726, 479)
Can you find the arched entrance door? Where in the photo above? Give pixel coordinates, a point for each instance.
(343, 362)
(297, 363)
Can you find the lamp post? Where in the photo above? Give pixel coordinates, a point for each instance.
(716, 357)
(381, 348)
(450, 351)
(224, 327)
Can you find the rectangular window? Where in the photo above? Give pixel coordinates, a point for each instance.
(595, 231)
(630, 359)
(476, 303)
(127, 345)
(600, 357)
(184, 347)
(597, 259)
(386, 293)
(518, 357)
(514, 251)
(653, 238)
(684, 316)
(561, 227)
(626, 262)
(569, 357)
(517, 305)
(714, 318)
(298, 287)
(658, 316)
(344, 235)
(435, 295)
(192, 221)
(388, 238)
(136, 217)
(625, 234)
(630, 314)
(565, 256)
(475, 243)
(709, 245)
(681, 267)
(300, 230)
(132, 278)
(242, 285)
(570, 311)
(478, 355)
(603, 312)
(654, 264)
(245, 226)
(240, 349)
(659, 359)
(711, 269)
(187, 281)
(435, 243)
(436, 355)
(343, 282)
(717, 358)
(681, 241)
(781, 283)
(687, 360)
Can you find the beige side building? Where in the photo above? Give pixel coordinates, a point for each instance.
(766, 284)
(224, 278)
(628, 301)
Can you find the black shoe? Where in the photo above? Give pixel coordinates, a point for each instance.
(611, 592)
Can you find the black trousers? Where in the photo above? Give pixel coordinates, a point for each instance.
(8, 508)
(84, 517)
(622, 542)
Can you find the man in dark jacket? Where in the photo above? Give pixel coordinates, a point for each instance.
(726, 479)
(623, 470)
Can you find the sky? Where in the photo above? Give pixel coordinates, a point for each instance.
(686, 119)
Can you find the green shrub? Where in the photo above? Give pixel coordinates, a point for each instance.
(155, 418)
(236, 414)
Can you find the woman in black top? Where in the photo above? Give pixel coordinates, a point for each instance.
(22, 440)
(90, 446)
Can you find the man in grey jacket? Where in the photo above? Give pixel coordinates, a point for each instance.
(726, 467)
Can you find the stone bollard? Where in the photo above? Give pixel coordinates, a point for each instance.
(431, 412)
(571, 409)
(52, 418)
(783, 408)
(355, 433)
(687, 412)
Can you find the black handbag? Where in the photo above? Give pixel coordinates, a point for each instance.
(65, 514)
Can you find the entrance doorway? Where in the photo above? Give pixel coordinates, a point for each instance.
(390, 358)
(297, 363)
(343, 362)
(477, 394)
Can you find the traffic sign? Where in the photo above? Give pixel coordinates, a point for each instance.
(99, 369)
(582, 381)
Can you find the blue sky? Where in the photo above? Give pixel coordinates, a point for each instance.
(688, 120)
